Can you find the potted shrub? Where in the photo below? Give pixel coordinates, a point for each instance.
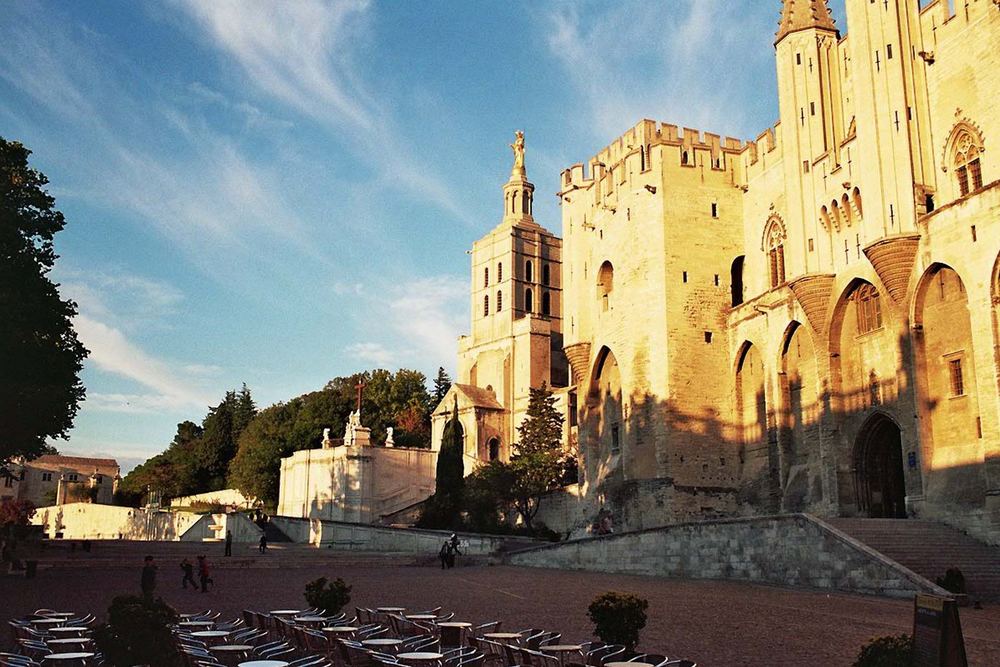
(138, 633)
(331, 596)
(889, 651)
(618, 618)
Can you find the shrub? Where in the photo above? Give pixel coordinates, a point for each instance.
(138, 633)
(889, 651)
(618, 618)
(331, 597)
(953, 581)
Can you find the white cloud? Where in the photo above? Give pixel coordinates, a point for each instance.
(429, 313)
(689, 73)
(317, 73)
(112, 352)
(375, 353)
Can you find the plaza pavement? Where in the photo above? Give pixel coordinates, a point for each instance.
(715, 623)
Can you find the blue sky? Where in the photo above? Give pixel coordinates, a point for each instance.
(280, 193)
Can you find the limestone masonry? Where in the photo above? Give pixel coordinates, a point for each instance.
(806, 322)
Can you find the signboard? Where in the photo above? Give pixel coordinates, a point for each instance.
(937, 633)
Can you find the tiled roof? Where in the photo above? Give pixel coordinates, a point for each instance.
(77, 463)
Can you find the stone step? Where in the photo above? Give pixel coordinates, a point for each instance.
(929, 549)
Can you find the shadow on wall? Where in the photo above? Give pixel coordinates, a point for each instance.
(794, 442)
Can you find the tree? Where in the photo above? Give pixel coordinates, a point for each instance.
(40, 354)
(450, 465)
(442, 510)
(218, 444)
(270, 436)
(537, 463)
(487, 496)
(442, 383)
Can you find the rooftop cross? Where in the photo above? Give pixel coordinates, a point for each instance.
(360, 386)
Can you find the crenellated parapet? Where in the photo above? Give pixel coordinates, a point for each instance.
(635, 152)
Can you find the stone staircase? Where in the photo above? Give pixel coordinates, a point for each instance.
(929, 549)
(274, 534)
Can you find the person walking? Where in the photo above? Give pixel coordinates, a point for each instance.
(229, 543)
(262, 545)
(453, 550)
(188, 575)
(148, 580)
(443, 554)
(203, 574)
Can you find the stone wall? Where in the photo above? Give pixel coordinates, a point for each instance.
(353, 537)
(787, 550)
(358, 484)
(87, 521)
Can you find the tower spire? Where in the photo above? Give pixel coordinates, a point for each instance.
(803, 14)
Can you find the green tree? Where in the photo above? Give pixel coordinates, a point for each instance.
(442, 510)
(269, 437)
(442, 383)
(538, 461)
(40, 354)
(450, 465)
(487, 496)
(218, 443)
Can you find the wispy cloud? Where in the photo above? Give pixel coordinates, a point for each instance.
(318, 73)
(195, 185)
(611, 56)
(375, 353)
(112, 352)
(421, 320)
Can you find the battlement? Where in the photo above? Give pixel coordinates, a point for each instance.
(638, 141)
(759, 155)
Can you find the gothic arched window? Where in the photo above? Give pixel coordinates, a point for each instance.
(499, 301)
(529, 272)
(486, 305)
(965, 153)
(529, 301)
(775, 245)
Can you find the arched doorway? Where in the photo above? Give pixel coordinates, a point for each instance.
(878, 469)
(493, 447)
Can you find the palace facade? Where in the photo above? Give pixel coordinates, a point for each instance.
(809, 321)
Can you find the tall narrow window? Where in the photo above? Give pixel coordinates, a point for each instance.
(605, 284)
(736, 281)
(776, 254)
(529, 272)
(486, 277)
(486, 305)
(615, 439)
(546, 304)
(869, 308)
(546, 274)
(499, 272)
(955, 376)
(499, 301)
(529, 301)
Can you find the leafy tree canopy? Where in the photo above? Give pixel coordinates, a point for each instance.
(40, 354)
(399, 400)
(442, 383)
(198, 458)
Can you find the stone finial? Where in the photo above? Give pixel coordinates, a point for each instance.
(803, 14)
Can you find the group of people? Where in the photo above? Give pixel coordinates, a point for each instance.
(149, 569)
(448, 552)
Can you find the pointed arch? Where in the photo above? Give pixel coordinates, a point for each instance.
(773, 244)
(963, 152)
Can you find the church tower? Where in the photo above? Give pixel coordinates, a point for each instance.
(515, 342)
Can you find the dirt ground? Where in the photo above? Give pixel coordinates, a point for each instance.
(714, 623)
